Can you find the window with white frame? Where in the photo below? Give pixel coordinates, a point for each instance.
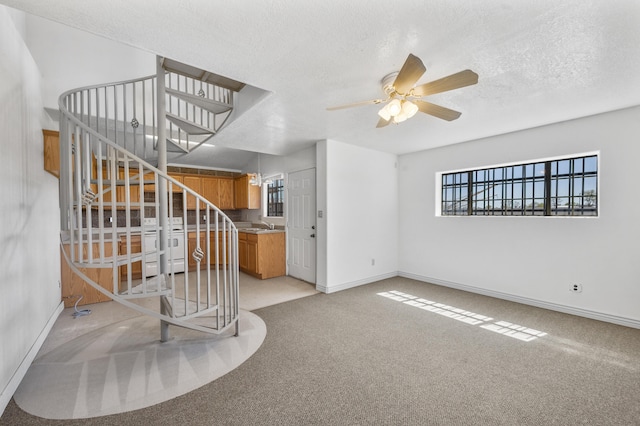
(559, 187)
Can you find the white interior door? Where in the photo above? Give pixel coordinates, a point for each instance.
(301, 202)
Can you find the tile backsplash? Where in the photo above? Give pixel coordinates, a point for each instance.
(135, 216)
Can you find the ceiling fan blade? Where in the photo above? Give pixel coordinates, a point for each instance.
(382, 123)
(437, 110)
(356, 104)
(454, 81)
(409, 74)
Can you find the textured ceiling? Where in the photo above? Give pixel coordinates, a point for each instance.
(538, 62)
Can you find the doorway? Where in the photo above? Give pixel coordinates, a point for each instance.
(301, 224)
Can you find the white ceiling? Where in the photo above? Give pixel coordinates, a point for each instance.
(538, 62)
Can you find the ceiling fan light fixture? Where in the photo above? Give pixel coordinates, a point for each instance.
(384, 113)
(394, 107)
(400, 117)
(409, 108)
(404, 99)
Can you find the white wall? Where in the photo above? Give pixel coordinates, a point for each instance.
(29, 256)
(358, 193)
(533, 259)
(101, 61)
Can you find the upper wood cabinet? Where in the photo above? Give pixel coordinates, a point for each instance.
(52, 152)
(211, 190)
(247, 195)
(194, 183)
(226, 192)
(150, 187)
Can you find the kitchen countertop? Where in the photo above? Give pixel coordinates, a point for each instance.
(260, 231)
(243, 227)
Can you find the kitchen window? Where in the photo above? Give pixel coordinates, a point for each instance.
(275, 198)
(558, 187)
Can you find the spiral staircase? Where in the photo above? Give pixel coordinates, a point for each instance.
(114, 143)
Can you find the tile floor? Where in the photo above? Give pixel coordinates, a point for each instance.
(112, 361)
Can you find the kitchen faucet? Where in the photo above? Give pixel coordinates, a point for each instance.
(269, 225)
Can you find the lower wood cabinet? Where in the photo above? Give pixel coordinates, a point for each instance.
(192, 264)
(262, 255)
(73, 286)
(136, 247)
(242, 250)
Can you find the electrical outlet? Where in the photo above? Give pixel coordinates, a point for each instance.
(576, 288)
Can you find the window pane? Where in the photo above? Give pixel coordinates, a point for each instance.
(529, 170)
(577, 165)
(591, 164)
(563, 167)
(517, 172)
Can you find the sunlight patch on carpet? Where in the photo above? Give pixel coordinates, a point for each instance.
(505, 328)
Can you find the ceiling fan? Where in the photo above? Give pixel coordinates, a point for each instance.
(403, 99)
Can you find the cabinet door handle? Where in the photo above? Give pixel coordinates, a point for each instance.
(313, 235)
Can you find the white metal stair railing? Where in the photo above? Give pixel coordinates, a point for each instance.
(125, 112)
(100, 177)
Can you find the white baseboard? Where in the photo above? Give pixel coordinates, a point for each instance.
(20, 372)
(628, 322)
(344, 286)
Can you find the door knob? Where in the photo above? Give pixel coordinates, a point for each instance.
(313, 235)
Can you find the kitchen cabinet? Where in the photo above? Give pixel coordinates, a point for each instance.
(262, 255)
(52, 152)
(247, 196)
(226, 194)
(120, 191)
(194, 183)
(179, 178)
(211, 189)
(136, 247)
(73, 286)
(224, 257)
(134, 190)
(218, 190)
(252, 253)
(242, 250)
(150, 187)
(106, 184)
(193, 243)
